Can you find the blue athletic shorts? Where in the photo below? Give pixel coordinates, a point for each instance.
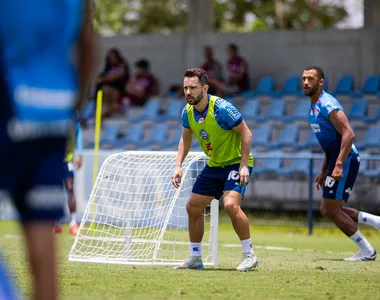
(68, 169)
(31, 175)
(213, 181)
(341, 190)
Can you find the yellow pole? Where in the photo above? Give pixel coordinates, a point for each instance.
(98, 120)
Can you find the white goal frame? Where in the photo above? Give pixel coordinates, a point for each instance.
(90, 224)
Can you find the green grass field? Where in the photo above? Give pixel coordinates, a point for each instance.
(312, 268)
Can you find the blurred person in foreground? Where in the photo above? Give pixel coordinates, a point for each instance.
(340, 165)
(40, 90)
(225, 138)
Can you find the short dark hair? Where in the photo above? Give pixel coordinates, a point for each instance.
(197, 72)
(319, 71)
(142, 63)
(233, 46)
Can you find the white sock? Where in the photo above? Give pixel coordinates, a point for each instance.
(369, 219)
(58, 223)
(195, 249)
(247, 246)
(73, 219)
(361, 241)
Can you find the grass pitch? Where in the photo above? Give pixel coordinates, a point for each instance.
(292, 266)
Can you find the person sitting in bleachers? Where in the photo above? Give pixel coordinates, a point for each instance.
(143, 85)
(214, 70)
(112, 81)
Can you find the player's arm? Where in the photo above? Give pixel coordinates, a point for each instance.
(246, 141)
(85, 53)
(183, 148)
(79, 146)
(339, 120)
(321, 177)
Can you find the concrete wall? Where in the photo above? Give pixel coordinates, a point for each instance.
(278, 53)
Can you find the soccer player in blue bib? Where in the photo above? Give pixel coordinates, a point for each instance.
(39, 85)
(340, 165)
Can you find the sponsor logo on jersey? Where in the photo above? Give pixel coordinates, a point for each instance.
(315, 127)
(209, 147)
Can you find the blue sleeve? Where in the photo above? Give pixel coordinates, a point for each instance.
(229, 115)
(185, 119)
(79, 140)
(328, 106)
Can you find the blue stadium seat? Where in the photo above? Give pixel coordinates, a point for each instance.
(375, 118)
(292, 86)
(109, 136)
(133, 136)
(371, 87)
(175, 139)
(364, 162)
(276, 111)
(265, 86)
(300, 113)
(299, 165)
(173, 111)
(158, 136)
(269, 165)
(310, 142)
(374, 173)
(248, 94)
(371, 138)
(288, 137)
(358, 110)
(345, 85)
(262, 135)
(250, 109)
(150, 111)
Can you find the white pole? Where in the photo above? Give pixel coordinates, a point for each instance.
(214, 230)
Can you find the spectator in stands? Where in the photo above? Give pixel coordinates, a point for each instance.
(112, 81)
(237, 81)
(143, 85)
(214, 72)
(237, 68)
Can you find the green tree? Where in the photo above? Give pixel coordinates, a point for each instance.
(275, 14)
(165, 16)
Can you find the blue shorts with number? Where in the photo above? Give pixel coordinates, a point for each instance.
(31, 175)
(213, 181)
(341, 189)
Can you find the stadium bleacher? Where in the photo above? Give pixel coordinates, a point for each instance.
(278, 123)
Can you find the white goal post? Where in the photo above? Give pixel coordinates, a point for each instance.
(135, 216)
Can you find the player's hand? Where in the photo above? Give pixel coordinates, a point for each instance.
(177, 177)
(320, 180)
(244, 175)
(337, 173)
(78, 162)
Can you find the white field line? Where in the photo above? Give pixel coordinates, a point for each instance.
(272, 248)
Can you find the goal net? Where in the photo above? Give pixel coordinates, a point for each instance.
(136, 216)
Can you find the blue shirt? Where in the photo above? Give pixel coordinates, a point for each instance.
(327, 136)
(36, 66)
(226, 115)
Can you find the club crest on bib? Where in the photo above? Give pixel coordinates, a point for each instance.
(204, 134)
(316, 111)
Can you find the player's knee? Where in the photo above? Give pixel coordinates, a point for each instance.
(193, 209)
(231, 208)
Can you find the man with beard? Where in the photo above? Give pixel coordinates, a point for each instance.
(226, 140)
(340, 165)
